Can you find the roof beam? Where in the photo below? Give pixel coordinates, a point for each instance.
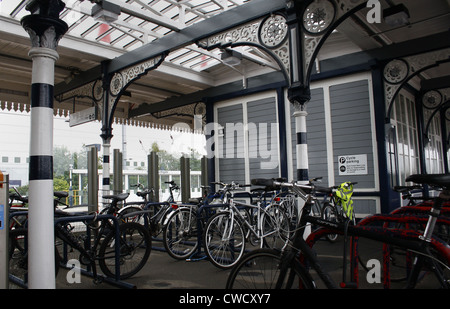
(147, 15)
(184, 37)
(435, 83)
(257, 83)
(191, 34)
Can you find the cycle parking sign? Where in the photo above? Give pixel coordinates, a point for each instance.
(353, 165)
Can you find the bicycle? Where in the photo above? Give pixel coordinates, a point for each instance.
(339, 208)
(225, 233)
(182, 233)
(291, 267)
(17, 203)
(153, 215)
(121, 250)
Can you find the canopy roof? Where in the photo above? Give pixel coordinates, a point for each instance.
(187, 69)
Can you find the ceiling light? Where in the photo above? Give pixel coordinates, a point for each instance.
(231, 57)
(106, 12)
(397, 15)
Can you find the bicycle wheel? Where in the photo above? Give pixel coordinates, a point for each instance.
(180, 235)
(276, 225)
(125, 215)
(18, 255)
(135, 247)
(329, 214)
(260, 269)
(289, 204)
(224, 240)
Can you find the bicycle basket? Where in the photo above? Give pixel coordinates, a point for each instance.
(344, 198)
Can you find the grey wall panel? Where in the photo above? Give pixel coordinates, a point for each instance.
(351, 127)
(263, 142)
(231, 161)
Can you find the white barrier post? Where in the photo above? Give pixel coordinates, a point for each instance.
(4, 231)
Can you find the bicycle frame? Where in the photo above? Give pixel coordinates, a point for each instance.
(258, 232)
(68, 238)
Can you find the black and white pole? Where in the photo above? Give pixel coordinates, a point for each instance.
(302, 151)
(45, 29)
(106, 186)
(302, 145)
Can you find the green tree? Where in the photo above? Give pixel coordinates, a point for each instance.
(60, 184)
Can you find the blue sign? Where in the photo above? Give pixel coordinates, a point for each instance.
(2, 216)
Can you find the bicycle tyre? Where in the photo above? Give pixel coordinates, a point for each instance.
(180, 236)
(259, 269)
(329, 214)
(18, 254)
(224, 253)
(124, 215)
(275, 219)
(135, 248)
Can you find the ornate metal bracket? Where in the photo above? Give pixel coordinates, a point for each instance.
(269, 33)
(399, 71)
(292, 37)
(435, 102)
(117, 84)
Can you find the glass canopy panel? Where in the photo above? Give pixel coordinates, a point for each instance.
(140, 22)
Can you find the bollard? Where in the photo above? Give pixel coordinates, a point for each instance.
(117, 172)
(153, 174)
(4, 230)
(185, 179)
(92, 180)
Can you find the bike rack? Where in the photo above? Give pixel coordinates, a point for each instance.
(145, 212)
(114, 281)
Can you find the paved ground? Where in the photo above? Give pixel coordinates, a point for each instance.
(163, 272)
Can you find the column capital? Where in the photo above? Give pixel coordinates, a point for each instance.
(43, 25)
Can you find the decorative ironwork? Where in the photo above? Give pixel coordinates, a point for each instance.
(318, 16)
(399, 71)
(122, 79)
(396, 71)
(273, 31)
(432, 99)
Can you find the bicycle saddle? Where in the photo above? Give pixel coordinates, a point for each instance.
(61, 194)
(119, 197)
(439, 180)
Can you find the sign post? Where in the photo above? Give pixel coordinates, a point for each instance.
(4, 231)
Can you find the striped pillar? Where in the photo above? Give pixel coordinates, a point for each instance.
(302, 145)
(302, 153)
(41, 260)
(106, 187)
(45, 30)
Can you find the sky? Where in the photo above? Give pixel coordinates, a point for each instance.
(15, 137)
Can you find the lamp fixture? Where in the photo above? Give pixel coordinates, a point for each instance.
(105, 12)
(397, 15)
(231, 57)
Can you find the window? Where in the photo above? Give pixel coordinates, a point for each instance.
(407, 148)
(433, 148)
(17, 160)
(4, 159)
